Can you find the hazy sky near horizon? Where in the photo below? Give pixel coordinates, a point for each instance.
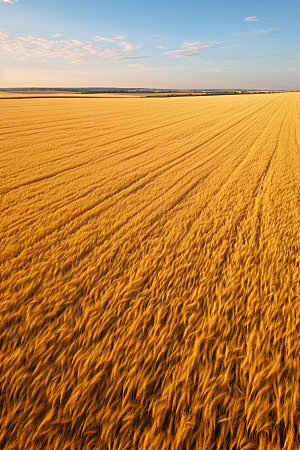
(158, 44)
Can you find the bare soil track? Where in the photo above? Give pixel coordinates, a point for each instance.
(149, 273)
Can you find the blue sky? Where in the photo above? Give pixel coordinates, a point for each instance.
(162, 44)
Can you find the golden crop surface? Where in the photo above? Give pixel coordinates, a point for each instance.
(150, 280)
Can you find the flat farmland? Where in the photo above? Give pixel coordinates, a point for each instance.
(150, 273)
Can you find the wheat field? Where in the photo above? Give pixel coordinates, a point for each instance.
(150, 273)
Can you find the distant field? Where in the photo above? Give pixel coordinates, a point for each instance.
(150, 273)
(41, 94)
(98, 94)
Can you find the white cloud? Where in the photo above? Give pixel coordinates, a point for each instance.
(255, 32)
(295, 68)
(9, 1)
(162, 46)
(56, 35)
(72, 50)
(256, 19)
(191, 49)
(219, 70)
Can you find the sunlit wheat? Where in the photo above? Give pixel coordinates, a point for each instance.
(150, 273)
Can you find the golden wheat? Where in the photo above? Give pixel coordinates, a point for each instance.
(150, 273)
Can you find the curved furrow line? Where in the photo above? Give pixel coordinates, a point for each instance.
(251, 206)
(74, 217)
(105, 208)
(125, 150)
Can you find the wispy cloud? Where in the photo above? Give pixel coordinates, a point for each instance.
(119, 40)
(270, 56)
(157, 37)
(279, 56)
(9, 1)
(162, 46)
(263, 56)
(231, 46)
(72, 50)
(192, 49)
(222, 69)
(254, 32)
(105, 39)
(141, 66)
(295, 68)
(145, 66)
(56, 35)
(256, 19)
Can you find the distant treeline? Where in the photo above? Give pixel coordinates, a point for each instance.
(172, 93)
(126, 91)
(208, 93)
